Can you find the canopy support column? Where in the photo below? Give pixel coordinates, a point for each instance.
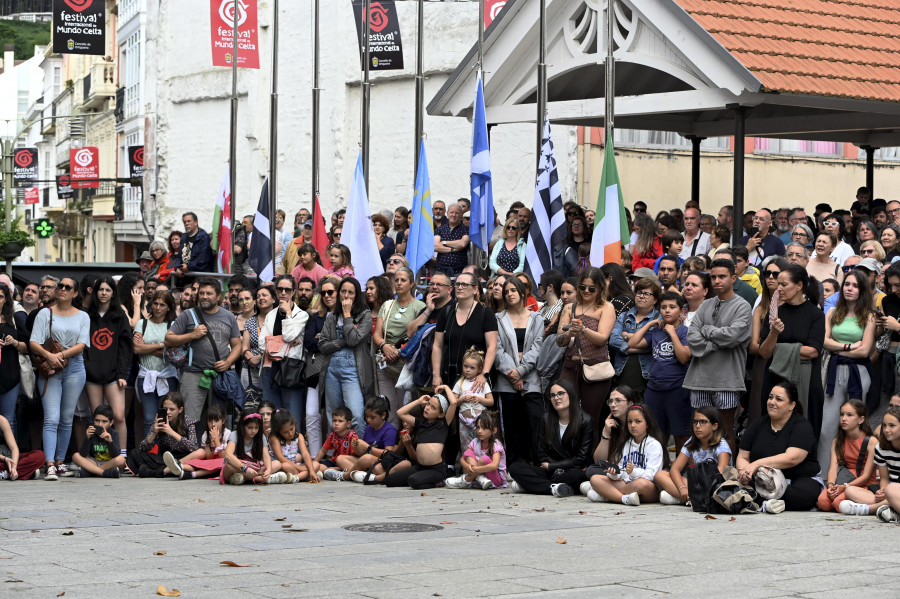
(740, 115)
(870, 169)
(695, 167)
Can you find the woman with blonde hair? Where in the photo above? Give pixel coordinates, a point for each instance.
(508, 255)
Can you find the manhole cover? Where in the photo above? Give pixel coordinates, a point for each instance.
(393, 527)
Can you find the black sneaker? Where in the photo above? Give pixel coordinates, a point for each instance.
(111, 473)
(83, 473)
(561, 490)
(185, 475)
(144, 471)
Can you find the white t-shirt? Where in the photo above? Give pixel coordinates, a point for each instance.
(702, 246)
(465, 388)
(248, 447)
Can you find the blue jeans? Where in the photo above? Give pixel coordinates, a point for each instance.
(342, 388)
(150, 402)
(8, 406)
(292, 399)
(63, 390)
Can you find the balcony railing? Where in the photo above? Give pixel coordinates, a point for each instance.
(98, 85)
(120, 105)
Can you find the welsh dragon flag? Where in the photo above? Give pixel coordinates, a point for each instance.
(610, 225)
(221, 227)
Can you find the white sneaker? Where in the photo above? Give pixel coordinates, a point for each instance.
(585, 487)
(335, 475)
(515, 487)
(484, 482)
(596, 497)
(278, 478)
(667, 499)
(631, 499)
(174, 465)
(293, 478)
(561, 490)
(851, 508)
(51, 474)
(886, 514)
(236, 479)
(457, 482)
(358, 476)
(773, 506)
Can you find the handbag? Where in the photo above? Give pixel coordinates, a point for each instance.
(315, 364)
(594, 373)
(183, 355)
(288, 373)
(51, 346)
(845, 475)
(253, 394)
(702, 480)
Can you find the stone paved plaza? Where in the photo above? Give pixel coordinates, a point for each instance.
(121, 539)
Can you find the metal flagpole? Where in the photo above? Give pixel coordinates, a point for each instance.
(476, 254)
(273, 133)
(420, 86)
(542, 80)
(315, 103)
(609, 116)
(232, 158)
(364, 133)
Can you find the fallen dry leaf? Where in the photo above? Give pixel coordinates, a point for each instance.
(477, 530)
(423, 495)
(582, 512)
(12, 580)
(256, 490)
(561, 541)
(448, 522)
(63, 594)
(732, 519)
(711, 517)
(543, 509)
(287, 525)
(298, 510)
(295, 530)
(228, 562)
(159, 553)
(280, 519)
(68, 533)
(619, 513)
(164, 592)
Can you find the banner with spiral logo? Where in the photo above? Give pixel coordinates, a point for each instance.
(221, 29)
(84, 167)
(385, 46)
(136, 161)
(25, 166)
(79, 27)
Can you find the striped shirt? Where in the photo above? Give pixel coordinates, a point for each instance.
(889, 457)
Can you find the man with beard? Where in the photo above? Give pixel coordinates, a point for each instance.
(31, 297)
(668, 273)
(436, 302)
(236, 284)
(47, 290)
(306, 289)
(214, 326)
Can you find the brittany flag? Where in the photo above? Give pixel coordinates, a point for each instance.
(610, 226)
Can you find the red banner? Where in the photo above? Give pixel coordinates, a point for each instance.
(491, 10)
(84, 166)
(32, 196)
(221, 29)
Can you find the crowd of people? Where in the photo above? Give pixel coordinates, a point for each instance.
(770, 360)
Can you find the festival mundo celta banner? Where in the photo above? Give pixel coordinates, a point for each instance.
(64, 187)
(136, 161)
(385, 46)
(25, 166)
(84, 167)
(79, 27)
(221, 19)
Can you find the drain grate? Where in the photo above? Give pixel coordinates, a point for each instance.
(393, 527)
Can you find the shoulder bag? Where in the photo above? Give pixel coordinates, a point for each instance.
(51, 346)
(594, 373)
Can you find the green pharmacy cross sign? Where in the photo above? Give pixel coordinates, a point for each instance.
(43, 228)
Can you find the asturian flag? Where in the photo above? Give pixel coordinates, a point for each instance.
(420, 248)
(481, 221)
(358, 234)
(260, 254)
(548, 219)
(610, 226)
(221, 229)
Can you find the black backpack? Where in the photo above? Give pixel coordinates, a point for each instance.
(702, 481)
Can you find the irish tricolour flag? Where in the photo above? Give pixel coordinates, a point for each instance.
(610, 225)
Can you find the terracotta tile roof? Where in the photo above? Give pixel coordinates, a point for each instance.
(843, 48)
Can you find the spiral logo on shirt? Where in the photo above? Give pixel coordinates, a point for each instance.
(378, 17)
(84, 157)
(102, 339)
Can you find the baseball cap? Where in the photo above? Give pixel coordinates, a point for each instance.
(643, 273)
(870, 264)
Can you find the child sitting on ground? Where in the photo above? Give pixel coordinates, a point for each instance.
(431, 430)
(378, 437)
(484, 461)
(15, 465)
(247, 454)
(290, 450)
(207, 461)
(339, 442)
(99, 454)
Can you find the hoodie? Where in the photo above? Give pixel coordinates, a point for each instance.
(108, 356)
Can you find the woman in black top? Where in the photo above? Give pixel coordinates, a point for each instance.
(468, 324)
(783, 439)
(890, 305)
(563, 448)
(617, 288)
(13, 341)
(799, 321)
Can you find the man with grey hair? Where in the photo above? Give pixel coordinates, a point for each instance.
(696, 242)
(451, 240)
(796, 216)
(796, 253)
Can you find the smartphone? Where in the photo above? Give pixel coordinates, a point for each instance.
(162, 414)
(752, 231)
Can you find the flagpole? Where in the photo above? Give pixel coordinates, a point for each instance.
(420, 86)
(542, 80)
(273, 132)
(609, 116)
(315, 103)
(364, 129)
(481, 35)
(232, 155)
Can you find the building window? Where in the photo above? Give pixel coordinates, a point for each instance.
(664, 140)
(797, 147)
(133, 75)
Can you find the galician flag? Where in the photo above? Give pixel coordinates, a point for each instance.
(610, 225)
(221, 228)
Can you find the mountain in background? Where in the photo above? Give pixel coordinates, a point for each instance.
(25, 36)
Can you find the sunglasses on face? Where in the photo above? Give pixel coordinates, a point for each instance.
(328, 292)
(870, 251)
(395, 261)
(846, 269)
(66, 287)
(772, 274)
(587, 288)
(512, 228)
(830, 223)
(47, 287)
(285, 290)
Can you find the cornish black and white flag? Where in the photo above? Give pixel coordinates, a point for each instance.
(261, 247)
(548, 219)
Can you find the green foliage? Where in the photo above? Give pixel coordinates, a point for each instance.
(15, 234)
(25, 36)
